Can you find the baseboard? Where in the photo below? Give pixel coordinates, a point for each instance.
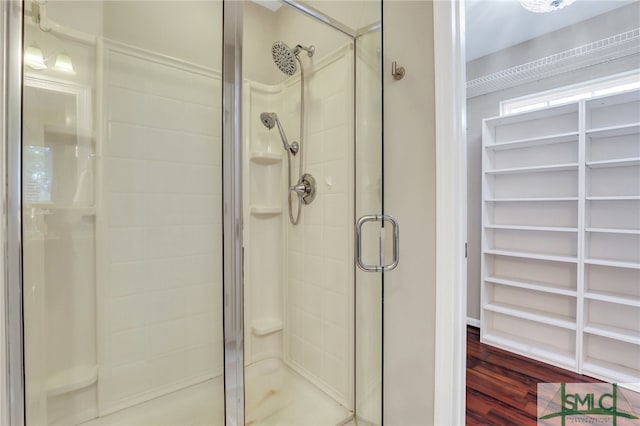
(473, 322)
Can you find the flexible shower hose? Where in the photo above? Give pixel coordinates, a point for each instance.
(295, 220)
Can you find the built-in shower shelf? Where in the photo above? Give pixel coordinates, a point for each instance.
(266, 157)
(67, 132)
(39, 236)
(77, 210)
(52, 208)
(72, 380)
(266, 210)
(266, 326)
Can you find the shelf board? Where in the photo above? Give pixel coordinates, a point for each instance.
(613, 298)
(536, 350)
(266, 158)
(615, 263)
(530, 200)
(266, 210)
(613, 131)
(537, 256)
(614, 333)
(613, 198)
(607, 100)
(529, 142)
(532, 315)
(38, 236)
(72, 380)
(266, 326)
(531, 285)
(68, 131)
(609, 371)
(520, 117)
(614, 231)
(81, 210)
(621, 162)
(533, 228)
(534, 169)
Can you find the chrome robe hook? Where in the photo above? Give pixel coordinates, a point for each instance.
(396, 71)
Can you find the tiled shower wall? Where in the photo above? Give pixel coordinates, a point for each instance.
(319, 290)
(160, 313)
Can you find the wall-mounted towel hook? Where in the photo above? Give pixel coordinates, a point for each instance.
(396, 71)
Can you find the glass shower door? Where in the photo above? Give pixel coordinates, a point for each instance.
(368, 201)
(121, 207)
(311, 148)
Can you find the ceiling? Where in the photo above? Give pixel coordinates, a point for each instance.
(493, 25)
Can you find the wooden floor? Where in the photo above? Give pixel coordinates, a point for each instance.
(501, 386)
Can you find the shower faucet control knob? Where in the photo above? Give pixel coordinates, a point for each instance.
(306, 188)
(294, 147)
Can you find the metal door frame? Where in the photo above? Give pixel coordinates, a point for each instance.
(14, 399)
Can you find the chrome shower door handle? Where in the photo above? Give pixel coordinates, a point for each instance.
(396, 236)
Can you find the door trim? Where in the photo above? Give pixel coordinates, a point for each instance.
(451, 213)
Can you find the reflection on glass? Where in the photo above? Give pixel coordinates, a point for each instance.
(37, 174)
(121, 213)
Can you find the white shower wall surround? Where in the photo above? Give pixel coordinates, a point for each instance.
(305, 280)
(159, 314)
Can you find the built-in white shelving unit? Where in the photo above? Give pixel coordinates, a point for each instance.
(561, 235)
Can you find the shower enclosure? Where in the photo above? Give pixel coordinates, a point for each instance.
(183, 200)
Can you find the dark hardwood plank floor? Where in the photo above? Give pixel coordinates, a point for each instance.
(502, 386)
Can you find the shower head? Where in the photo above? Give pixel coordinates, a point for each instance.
(270, 119)
(285, 57)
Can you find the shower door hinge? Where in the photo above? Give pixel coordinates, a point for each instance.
(466, 253)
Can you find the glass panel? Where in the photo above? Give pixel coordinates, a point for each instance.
(122, 213)
(369, 289)
(299, 274)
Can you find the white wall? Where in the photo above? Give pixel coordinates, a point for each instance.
(614, 22)
(85, 16)
(409, 195)
(356, 14)
(189, 30)
(260, 32)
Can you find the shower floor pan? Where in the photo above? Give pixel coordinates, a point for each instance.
(274, 396)
(195, 405)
